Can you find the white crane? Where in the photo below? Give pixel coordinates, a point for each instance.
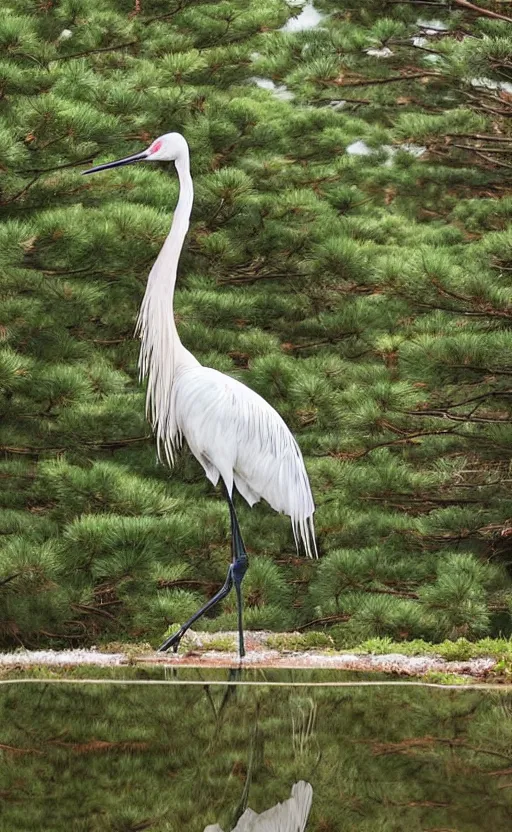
(234, 433)
(289, 816)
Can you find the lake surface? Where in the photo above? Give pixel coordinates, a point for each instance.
(165, 750)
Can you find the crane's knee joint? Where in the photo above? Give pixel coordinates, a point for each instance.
(238, 569)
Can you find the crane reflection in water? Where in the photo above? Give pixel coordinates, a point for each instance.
(289, 816)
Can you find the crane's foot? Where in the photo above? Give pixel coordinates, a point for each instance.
(234, 577)
(173, 641)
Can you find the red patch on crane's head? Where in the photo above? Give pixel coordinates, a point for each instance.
(155, 146)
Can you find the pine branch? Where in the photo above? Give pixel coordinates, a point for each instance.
(63, 635)
(482, 397)
(417, 804)
(487, 370)
(434, 3)
(444, 414)
(322, 101)
(411, 743)
(94, 610)
(392, 80)
(482, 136)
(13, 750)
(179, 8)
(60, 272)
(465, 4)
(49, 143)
(20, 193)
(329, 619)
(426, 500)
(498, 313)
(236, 281)
(485, 107)
(35, 451)
(324, 342)
(96, 51)
(57, 167)
(118, 443)
(10, 578)
(494, 162)
(110, 341)
(28, 58)
(163, 584)
(485, 147)
(467, 313)
(405, 440)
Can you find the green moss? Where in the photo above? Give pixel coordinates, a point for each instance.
(439, 678)
(459, 650)
(132, 650)
(224, 643)
(503, 669)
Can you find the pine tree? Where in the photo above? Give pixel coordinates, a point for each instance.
(349, 259)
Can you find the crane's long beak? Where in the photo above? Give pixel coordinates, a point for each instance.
(128, 160)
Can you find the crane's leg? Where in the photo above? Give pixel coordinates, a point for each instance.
(240, 563)
(174, 640)
(235, 576)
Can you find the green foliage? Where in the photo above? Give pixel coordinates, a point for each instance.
(459, 650)
(365, 295)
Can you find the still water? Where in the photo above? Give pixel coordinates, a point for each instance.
(168, 750)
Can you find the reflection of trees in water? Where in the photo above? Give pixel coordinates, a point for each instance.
(170, 759)
(303, 716)
(289, 816)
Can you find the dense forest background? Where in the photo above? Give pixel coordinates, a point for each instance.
(348, 258)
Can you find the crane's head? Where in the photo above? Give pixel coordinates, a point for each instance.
(171, 147)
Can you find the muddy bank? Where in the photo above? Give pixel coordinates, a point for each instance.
(201, 650)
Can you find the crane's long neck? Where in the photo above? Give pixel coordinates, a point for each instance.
(162, 352)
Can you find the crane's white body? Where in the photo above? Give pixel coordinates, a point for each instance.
(238, 436)
(289, 816)
(233, 432)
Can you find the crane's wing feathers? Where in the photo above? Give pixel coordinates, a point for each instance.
(237, 435)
